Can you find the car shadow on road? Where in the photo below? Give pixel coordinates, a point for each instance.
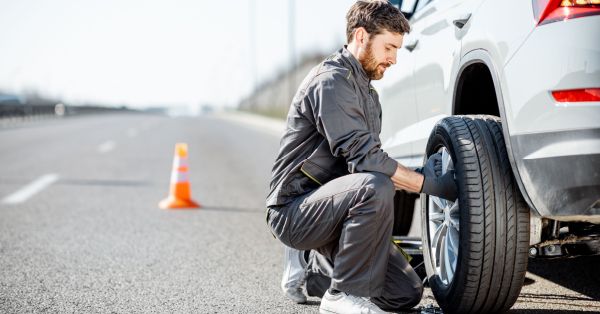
(580, 274)
(545, 311)
(556, 301)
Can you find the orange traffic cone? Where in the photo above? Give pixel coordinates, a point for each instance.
(179, 194)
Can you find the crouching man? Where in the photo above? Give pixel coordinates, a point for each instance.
(333, 186)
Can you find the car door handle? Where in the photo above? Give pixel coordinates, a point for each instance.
(461, 20)
(411, 44)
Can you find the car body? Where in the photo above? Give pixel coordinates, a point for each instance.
(509, 93)
(503, 62)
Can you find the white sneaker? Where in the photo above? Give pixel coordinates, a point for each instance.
(343, 303)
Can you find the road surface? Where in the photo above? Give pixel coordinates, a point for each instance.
(80, 229)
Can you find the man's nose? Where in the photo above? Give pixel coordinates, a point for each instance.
(391, 60)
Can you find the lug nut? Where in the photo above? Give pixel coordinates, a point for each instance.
(533, 251)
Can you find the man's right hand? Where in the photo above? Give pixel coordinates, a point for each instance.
(436, 184)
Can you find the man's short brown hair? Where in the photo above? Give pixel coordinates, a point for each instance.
(375, 16)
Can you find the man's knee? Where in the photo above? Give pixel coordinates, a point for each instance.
(415, 296)
(381, 185)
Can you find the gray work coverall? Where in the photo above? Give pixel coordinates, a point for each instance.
(331, 189)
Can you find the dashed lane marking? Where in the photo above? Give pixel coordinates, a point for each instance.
(106, 147)
(31, 189)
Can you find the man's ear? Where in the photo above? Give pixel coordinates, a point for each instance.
(361, 36)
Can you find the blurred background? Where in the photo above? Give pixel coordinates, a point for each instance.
(182, 57)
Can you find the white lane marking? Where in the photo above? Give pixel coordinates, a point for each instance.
(106, 147)
(31, 189)
(132, 132)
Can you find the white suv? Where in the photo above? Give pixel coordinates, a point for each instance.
(509, 92)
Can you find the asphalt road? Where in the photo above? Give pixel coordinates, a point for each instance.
(91, 237)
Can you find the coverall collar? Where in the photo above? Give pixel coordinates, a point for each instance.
(356, 67)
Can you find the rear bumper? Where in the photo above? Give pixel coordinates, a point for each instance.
(560, 172)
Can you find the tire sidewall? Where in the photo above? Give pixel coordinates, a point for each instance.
(439, 137)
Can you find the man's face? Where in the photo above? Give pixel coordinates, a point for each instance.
(379, 53)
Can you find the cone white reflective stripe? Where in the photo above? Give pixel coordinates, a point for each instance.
(179, 177)
(180, 162)
(179, 174)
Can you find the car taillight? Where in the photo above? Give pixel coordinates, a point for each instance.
(548, 11)
(577, 95)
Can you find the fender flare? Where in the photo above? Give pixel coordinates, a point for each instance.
(482, 56)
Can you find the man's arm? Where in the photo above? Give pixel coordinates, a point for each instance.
(408, 180)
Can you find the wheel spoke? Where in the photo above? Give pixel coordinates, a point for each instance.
(438, 236)
(435, 242)
(454, 223)
(443, 265)
(447, 255)
(445, 160)
(455, 216)
(453, 237)
(454, 209)
(437, 216)
(439, 202)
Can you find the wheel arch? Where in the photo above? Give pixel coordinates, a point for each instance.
(481, 58)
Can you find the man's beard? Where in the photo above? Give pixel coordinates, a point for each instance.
(370, 65)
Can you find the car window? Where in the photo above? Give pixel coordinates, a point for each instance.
(408, 6)
(422, 4)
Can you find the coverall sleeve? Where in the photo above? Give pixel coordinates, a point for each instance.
(340, 118)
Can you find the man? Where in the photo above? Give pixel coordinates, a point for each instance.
(333, 186)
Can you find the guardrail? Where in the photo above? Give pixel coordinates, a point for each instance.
(12, 113)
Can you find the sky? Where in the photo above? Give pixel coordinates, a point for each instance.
(159, 53)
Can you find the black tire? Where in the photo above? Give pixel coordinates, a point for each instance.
(494, 220)
(404, 207)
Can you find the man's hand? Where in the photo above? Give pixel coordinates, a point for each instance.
(437, 184)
